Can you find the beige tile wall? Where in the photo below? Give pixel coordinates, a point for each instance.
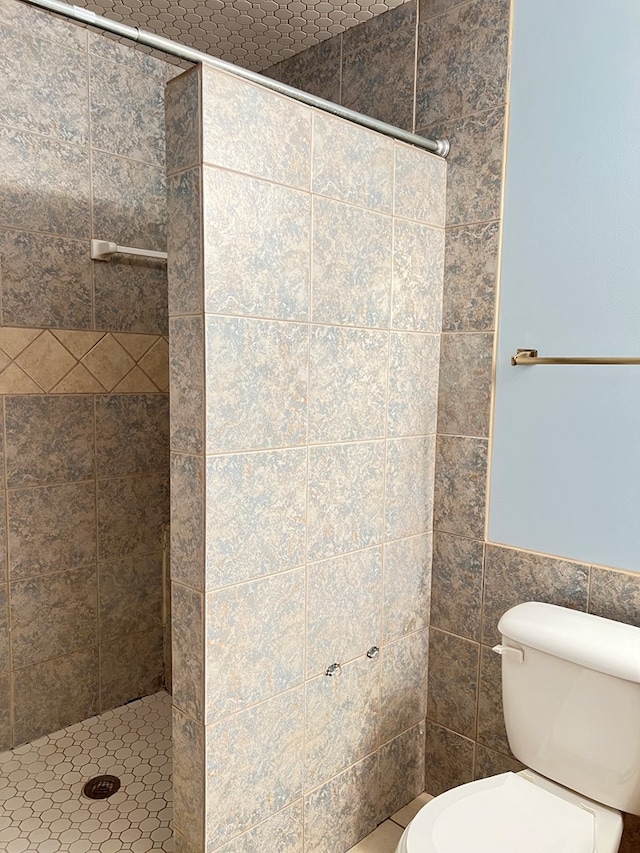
(304, 368)
(83, 374)
(441, 69)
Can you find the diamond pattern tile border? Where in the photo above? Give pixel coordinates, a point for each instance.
(42, 361)
(42, 809)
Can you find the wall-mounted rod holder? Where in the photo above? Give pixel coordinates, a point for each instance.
(530, 356)
(102, 250)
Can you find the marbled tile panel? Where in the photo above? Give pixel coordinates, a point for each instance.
(4, 563)
(352, 261)
(342, 811)
(129, 201)
(462, 61)
(401, 770)
(413, 384)
(65, 536)
(418, 262)
(456, 585)
(490, 763)
(3, 485)
(17, 19)
(187, 629)
(189, 779)
(139, 131)
(182, 121)
(4, 628)
(470, 277)
(352, 164)
(449, 759)
(474, 166)
(132, 513)
(409, 491)
(512, 577)
(5, 713)
(49, 440)
(615, 595)
(256, 383)
(464, 399)
(420, 185)
(343, 608)
(46, 281)
(315, 70)
(346, 486)
(403, 684)
(184, 243)
(122, 53)
(130, 598)
(45, 88)
(453, 682)
(130, 295)
(54, 694)
(285, 827)
(347, 384)
(378, 79)
(407, 586)
(44, 184)
(431, 8)
(130, 667)
(187, 520)
(491, 727)
(249, 129)
(253, 648)
(379, 27)
(460, 485)
(132, 434)
(255, 515)
(53, 615)
(182, 844)
(187, 377)
(341, 723)
(256, 247)
(266, 743)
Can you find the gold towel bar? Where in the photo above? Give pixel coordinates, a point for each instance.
(530, 356)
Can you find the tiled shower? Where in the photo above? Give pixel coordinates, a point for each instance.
(305, 337)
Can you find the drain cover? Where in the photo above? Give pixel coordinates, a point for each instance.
(101, 787)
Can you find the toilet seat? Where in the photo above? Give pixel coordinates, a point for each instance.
(513, 813)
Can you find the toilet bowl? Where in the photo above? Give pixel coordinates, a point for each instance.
(513, 813)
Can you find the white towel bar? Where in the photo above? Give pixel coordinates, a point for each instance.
(102, 250)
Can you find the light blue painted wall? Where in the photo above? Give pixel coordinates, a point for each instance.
(565, 472)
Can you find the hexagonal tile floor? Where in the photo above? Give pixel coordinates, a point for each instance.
(43, 810)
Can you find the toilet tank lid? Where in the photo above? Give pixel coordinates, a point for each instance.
(590, 641)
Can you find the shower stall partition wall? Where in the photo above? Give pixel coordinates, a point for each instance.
(305, 286)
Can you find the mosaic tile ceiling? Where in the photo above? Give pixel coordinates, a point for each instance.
(254, 34)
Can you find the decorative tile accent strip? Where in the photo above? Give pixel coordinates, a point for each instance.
(40, 361)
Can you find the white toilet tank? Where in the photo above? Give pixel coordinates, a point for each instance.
(572, 700)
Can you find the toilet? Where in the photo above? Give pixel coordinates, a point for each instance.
(571, 695)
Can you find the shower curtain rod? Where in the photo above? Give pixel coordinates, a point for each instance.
(435, 146)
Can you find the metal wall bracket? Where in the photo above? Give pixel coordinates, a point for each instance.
(102, 250)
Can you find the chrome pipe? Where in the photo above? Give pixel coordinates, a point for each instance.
(440, 147)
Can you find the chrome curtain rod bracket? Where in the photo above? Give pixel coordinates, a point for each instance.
(102, 250)
(440, 147)
(530, 356)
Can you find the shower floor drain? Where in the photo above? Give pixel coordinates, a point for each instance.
(101, 787)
